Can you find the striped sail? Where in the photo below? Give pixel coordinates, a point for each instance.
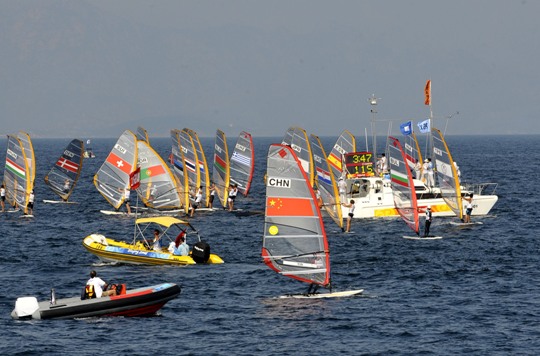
(187, 145)
(447, 176)
(326, 182)
(112, 178)
(221, 170)
(243, 162)
(65, 173)
(177, 165)
(297, 138)
(403, 189)
(17, 174)
(203, 166)
(158, 188)
(346, 143)
(412, 151)
(294, 240)
(29, 154)
(142, 134)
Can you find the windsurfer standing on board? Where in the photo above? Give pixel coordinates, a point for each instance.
(351, 207)
(429, 218)
(126, 192)
(468, 210)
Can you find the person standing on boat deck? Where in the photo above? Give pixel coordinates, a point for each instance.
(157, 241)
(381, 164)
(468, 208)
(30, 205)
(3, 197)
(233, 190)
(342, 187)
(429, 218)
(99, 286)
(351, 207)
(418, 170)
(197, 202)
(428, 173)
(212, 194)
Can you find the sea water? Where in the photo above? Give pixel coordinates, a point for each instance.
(476, 291)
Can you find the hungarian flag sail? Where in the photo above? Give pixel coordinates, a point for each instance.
(17, 181)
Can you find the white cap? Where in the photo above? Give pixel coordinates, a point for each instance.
(429, 207)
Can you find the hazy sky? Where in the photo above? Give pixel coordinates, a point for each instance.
(94, 68)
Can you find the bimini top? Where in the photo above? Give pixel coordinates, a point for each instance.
(166, 221)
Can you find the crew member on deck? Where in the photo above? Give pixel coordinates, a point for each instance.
(99, 286)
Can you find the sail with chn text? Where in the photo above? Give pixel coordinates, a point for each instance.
(294, 239)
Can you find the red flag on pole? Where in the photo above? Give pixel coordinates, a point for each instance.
(427, 92)
(135, 179)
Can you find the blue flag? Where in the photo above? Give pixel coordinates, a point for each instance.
(424, 126)
(406, 128)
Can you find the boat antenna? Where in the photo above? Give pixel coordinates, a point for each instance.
(373, 102)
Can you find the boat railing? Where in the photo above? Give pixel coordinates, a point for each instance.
(481, 188)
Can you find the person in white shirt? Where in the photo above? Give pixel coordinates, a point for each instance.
(342, 187)
(233, 191)
(99, 286)
(351, 207)
(197, 202)
(30, 206)
(3, 197)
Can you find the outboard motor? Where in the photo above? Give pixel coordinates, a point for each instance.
(200, 252)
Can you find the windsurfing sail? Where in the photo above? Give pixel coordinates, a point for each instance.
(203, 166)
(447, 176)
(403, 189)
(190, 162)
(66, 171)
(294, 241)
(158, 188)
(346, 143)
(177, 164)
(326, 182)
(17, 180)
(29, 154)
(412, 152)
(297, 138)
(221, 170)
(142, 134)
(243, 162)
(112, 178)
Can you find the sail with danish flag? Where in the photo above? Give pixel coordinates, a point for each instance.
(65, 173)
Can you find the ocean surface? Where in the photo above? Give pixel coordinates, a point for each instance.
(476, 291)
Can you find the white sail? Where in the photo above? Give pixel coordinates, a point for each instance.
(297, 138)
(242, 163)
(326, 182)
(158, 188)
(447, 176)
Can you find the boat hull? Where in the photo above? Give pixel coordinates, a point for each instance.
(109, 250)
(144, 301)
(374, 199)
